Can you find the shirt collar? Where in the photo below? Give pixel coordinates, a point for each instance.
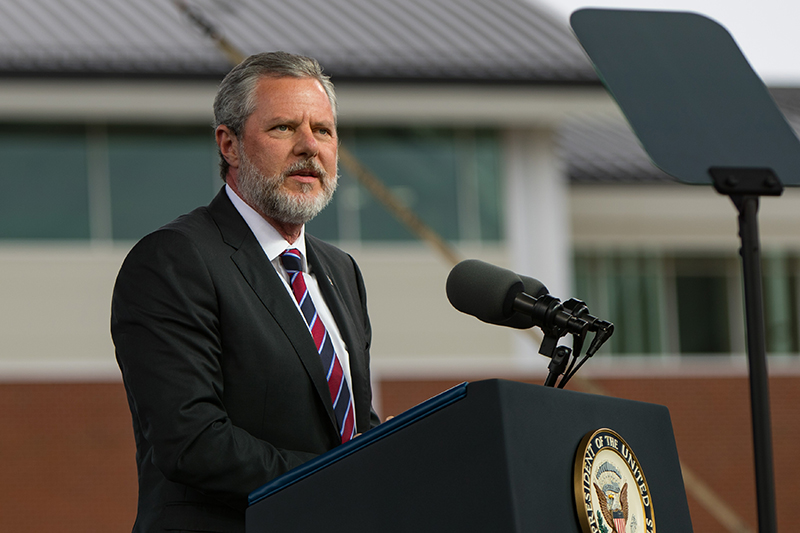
(267, 236)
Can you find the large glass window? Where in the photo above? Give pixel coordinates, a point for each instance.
(121, 182)
(626, 289)
(703, 305)
(44, 186)
(687, 303)
(157, 174)
(449, 178)
(782, 301)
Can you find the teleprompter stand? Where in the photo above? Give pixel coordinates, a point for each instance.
(745, 186)
(704, 117)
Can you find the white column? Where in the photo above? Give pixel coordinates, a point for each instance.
(537, 215)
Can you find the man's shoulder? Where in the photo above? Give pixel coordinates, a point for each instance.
(195, 229)
(175, 241)
(202, 224)
(326, 250)
(196, 222)
(198, 233)
(334, 261)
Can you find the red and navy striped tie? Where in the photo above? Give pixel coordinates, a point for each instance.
(292, 261)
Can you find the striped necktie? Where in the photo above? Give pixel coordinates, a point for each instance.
(292, 260)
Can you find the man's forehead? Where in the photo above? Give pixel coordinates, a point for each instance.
(287, 91)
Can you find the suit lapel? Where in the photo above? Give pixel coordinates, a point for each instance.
(261, 276)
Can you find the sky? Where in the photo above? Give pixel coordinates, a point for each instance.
(765, 30)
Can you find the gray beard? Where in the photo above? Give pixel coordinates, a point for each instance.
(267, 196)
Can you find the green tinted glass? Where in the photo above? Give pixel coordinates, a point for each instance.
(44, 183)
(158, 174)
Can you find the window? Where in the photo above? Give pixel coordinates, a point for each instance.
(449, 178)
(157, 174)
(121, 182)
(687, 303)
(701, 286)
(626, 289)
(781, 299)
(43, 176)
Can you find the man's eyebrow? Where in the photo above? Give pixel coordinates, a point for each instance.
(280, 119)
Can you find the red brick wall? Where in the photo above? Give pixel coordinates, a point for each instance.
(67, 458)
(67, 451)
(711, 420)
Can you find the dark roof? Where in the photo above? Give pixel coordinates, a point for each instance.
(788, 100)
(457, 40)
(495, 41)
(604, 150)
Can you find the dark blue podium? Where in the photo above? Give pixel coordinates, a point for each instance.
(490, 456)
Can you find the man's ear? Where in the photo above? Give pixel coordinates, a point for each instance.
(228, 145)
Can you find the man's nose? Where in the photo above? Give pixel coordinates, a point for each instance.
(306, 143)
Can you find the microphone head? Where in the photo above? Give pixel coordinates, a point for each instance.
(483, 290)
(533, 287)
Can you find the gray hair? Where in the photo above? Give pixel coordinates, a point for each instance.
(236, 97)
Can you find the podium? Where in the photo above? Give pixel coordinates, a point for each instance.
(489, 456)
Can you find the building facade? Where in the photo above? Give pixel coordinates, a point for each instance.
(509, 149)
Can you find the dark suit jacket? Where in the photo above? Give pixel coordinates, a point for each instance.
(224, 383)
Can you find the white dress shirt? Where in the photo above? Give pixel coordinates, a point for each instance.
(274, 245)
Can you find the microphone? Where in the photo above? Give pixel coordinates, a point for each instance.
(498, 296)
(534, 288)
(482, 290)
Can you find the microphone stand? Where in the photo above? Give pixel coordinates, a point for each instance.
(559, 358)
(556, 322)
(579, 323)
(557, 366)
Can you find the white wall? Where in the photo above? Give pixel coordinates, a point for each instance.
(55, 299)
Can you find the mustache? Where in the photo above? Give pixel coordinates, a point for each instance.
(308, 165)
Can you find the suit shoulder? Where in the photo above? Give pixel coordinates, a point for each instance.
(196, 226)
(315, 241)
(187, 235)
(328, 251)
(195, 223)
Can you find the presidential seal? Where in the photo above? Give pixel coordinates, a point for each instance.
(611, 492)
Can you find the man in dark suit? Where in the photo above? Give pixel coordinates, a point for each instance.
(225, 383)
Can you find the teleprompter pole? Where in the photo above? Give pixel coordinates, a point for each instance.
(744, 186)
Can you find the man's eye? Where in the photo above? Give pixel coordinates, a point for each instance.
(282, 127)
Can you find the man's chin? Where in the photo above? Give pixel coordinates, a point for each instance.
(297, 208)
(302, 188)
